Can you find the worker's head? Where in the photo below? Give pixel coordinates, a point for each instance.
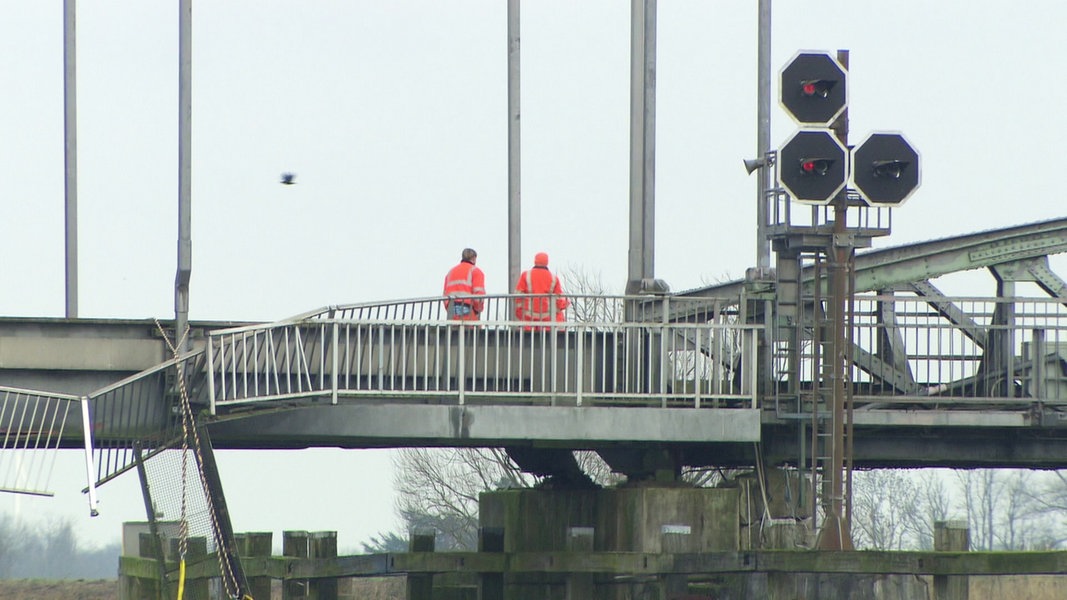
(540, 259)
(469, 254)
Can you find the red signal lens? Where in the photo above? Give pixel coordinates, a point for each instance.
(809, 89)
(815, 166)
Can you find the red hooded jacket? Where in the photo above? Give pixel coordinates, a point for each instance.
(539, 280)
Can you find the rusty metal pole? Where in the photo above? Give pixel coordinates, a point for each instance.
(836, 532)
(763, 135)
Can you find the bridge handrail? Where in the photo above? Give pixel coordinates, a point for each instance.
(346, 356)
(500, 307)
(947, 336)
(649, 308)
(170, 363)
(4, 389)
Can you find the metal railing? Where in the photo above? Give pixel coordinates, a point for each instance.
(138, 417)
(786, 213)
(31, 429)
(958, 353)
(582, 308)
(623, 351)
(617, 351)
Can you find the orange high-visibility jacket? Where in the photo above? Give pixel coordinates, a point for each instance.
(539, 280)
(464, 279)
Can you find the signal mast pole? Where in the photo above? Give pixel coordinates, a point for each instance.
(836, 532)
(763, 134)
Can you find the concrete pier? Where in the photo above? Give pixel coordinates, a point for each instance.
(661, 519)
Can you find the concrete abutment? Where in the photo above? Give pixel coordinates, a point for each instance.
(654, 519)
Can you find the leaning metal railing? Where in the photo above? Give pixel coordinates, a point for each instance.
(31, 429)
(138, 417)
(626, 354)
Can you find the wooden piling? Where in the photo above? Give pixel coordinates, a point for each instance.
(951, 536)
(295, 545)
(134, 588)
(420, 587)
(491, 585)
(256, 544)
(195, 552)
(322, 545)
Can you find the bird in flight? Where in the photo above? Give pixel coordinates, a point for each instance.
(287, 178)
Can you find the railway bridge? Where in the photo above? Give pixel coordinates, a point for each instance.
(731, 375)
(935, 381)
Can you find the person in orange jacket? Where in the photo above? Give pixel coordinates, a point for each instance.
(539, 280)
(463, 284)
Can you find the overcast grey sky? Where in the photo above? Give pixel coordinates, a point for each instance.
(393, 116)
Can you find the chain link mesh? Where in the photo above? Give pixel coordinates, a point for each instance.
(175, 491)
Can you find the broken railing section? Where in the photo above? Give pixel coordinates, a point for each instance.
(32, 425)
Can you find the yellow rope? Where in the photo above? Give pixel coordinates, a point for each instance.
(181, 579)
(189, 431)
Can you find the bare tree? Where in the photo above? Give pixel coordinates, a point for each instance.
(979, 497)
(1003, 512)
(591, 299)
(1048, 500)
(50, 550)
(13, 539)
(887, 511)
(936, 504)
(1018, 530)
(438, 489)
(60, 550)
(599, 471)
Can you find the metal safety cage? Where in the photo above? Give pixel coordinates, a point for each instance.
(787, 216)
